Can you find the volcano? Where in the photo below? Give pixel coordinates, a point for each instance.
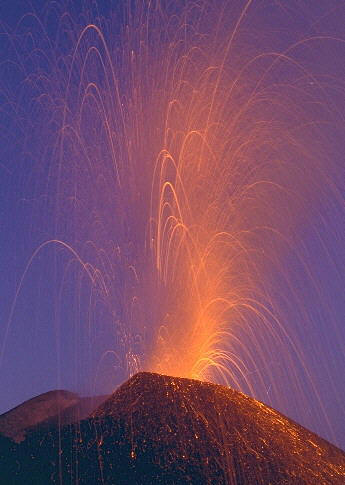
(167, 430)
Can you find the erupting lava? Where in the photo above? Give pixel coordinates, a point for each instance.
(183, 147)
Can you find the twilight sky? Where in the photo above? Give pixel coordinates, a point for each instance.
(172, 183)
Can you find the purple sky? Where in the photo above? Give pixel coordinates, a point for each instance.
(65, 325)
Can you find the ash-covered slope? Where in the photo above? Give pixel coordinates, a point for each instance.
(159, 429)
(52, 407)
(34, 411)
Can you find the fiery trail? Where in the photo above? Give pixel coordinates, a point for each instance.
(181, 149)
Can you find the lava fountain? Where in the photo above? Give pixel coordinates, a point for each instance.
(180, 154)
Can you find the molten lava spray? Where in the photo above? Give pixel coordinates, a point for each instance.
(179, 151)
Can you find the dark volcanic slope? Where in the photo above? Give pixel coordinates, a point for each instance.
(217, 431)
(32, 412)
(159, 429)
(52, 407)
